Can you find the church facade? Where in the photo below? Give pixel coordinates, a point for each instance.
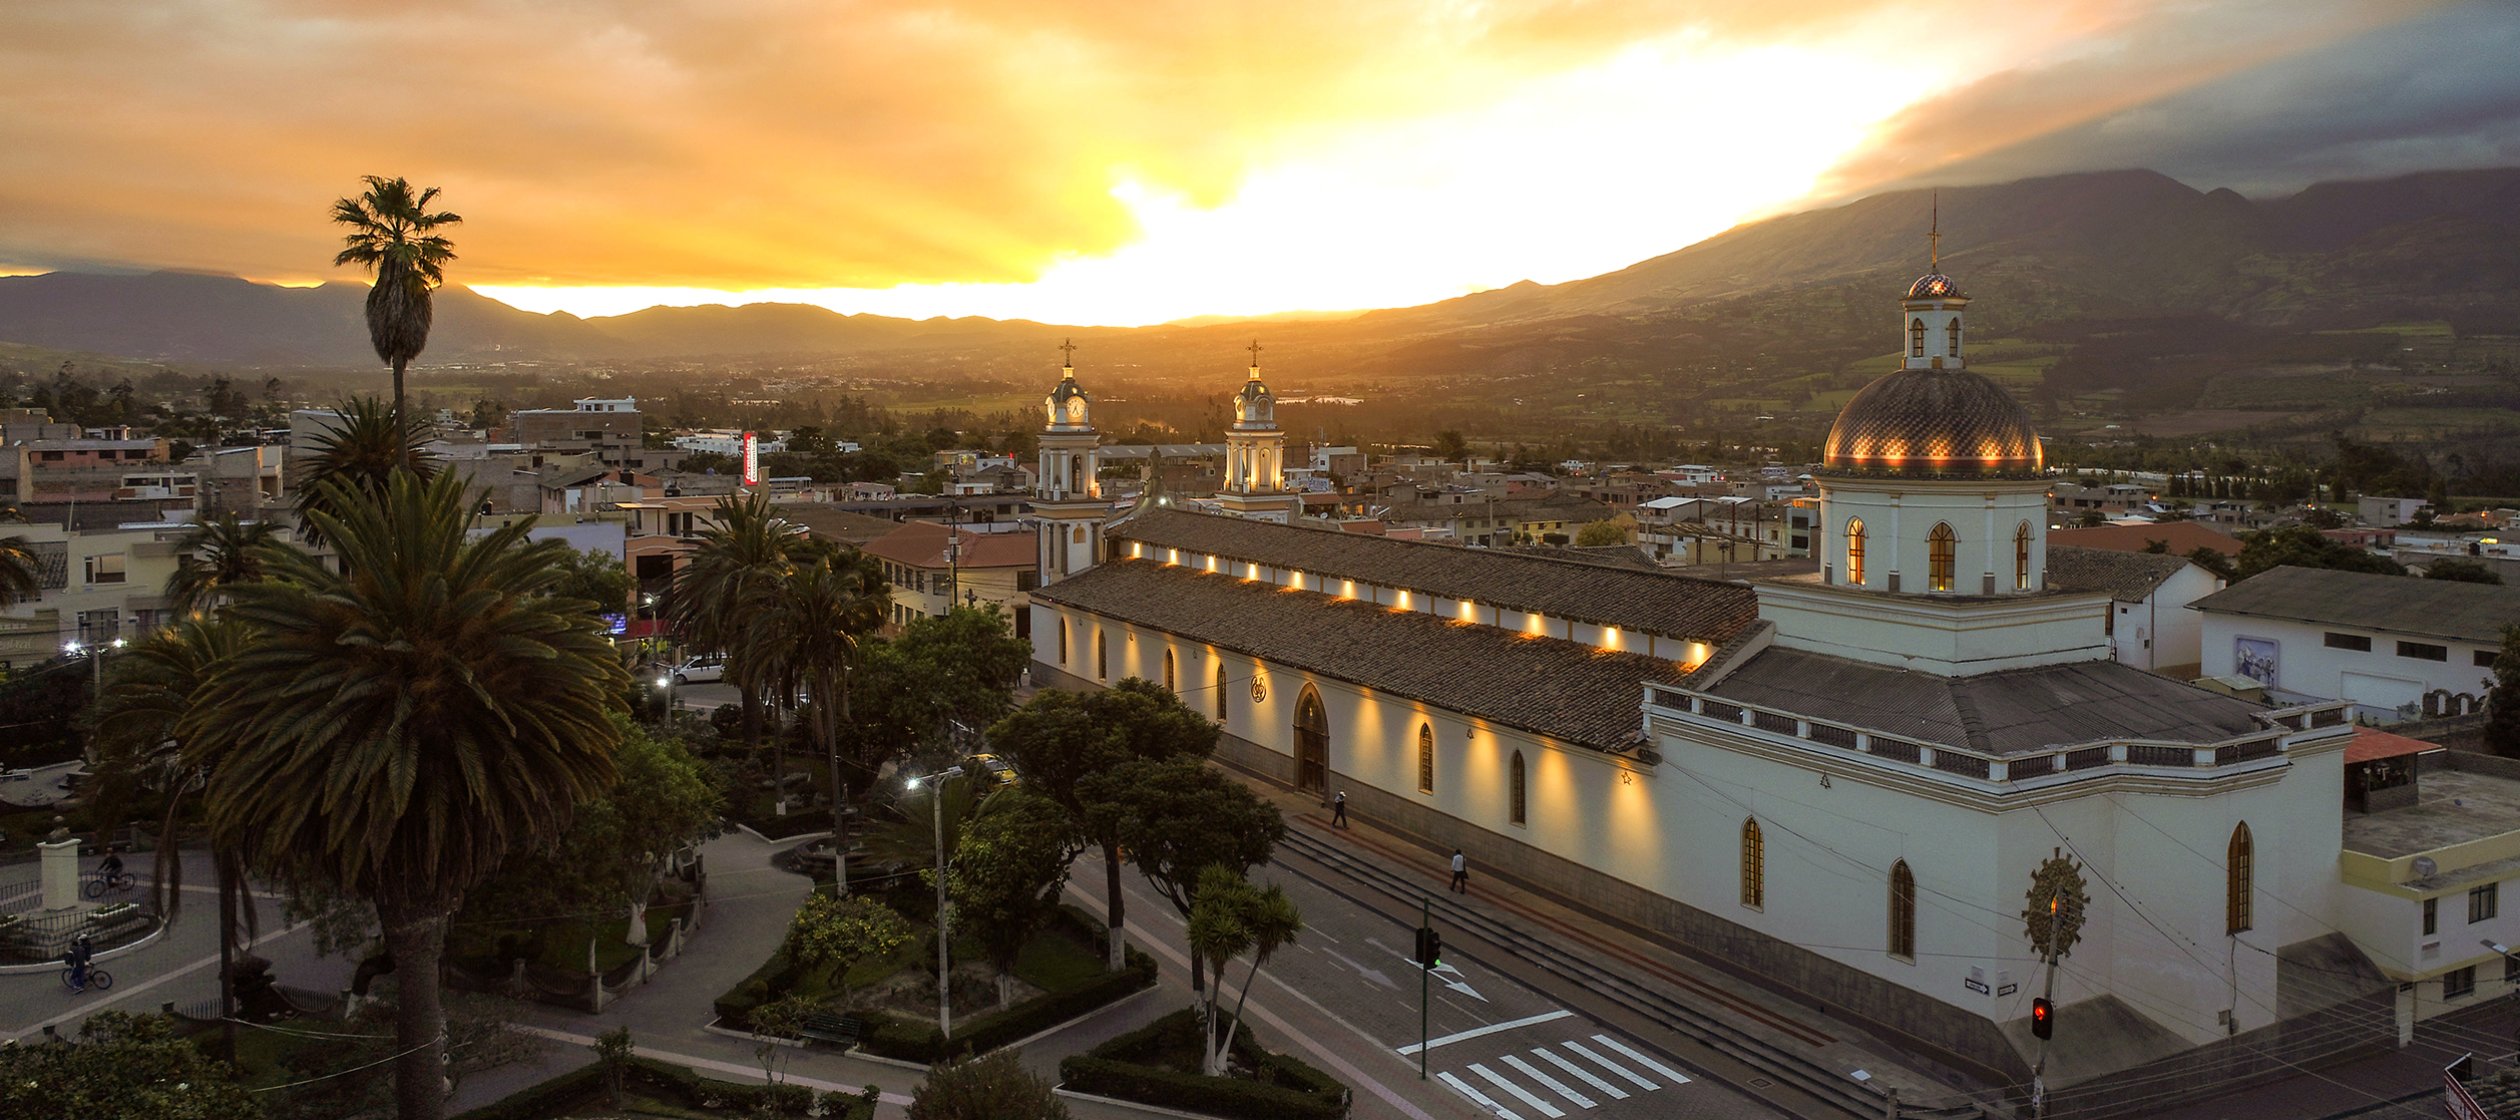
(1858, 787)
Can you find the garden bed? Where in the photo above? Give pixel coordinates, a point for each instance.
(653, 1088)
(1158, 1064)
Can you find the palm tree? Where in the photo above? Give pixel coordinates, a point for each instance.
(390, 237)
(401, 726)
(21, 572)
(719, 597)
(807, 641)
(364, 449)
(217, 555)
(149, 691)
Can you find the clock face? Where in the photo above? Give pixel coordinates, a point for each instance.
(1259, 690)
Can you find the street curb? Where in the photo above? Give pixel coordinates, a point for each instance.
(799, 838)
(1055, 1028)
(1157, 1110)
(104, 955)
(746, 1036)
(878, 1059)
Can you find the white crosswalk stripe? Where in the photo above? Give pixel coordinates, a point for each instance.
(1677, 1078)
(1599, 1085)
(1612, 1066)
(1555, 1086)
(1545, 1108)
(1476, 1097)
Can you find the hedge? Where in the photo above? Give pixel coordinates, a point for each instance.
(918, 1040)
(579, 1086)
(1294, 1091)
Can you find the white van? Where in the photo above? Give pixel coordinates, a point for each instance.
(703, 669)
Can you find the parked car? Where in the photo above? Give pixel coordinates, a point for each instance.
(1000, 772)
(704, 669)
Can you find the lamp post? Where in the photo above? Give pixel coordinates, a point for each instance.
(944, 954)
(666, 682)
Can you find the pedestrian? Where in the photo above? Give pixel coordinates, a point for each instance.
(1338, 810)
(1461, 873)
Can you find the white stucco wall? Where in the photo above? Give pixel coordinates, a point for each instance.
(2379, 678)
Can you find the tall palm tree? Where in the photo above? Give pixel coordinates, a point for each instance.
(807, 640)
(217, 554)
(390, 236)
(402, 725)
(149, 690)
(21, 572)
(718, 598)
(360, 451)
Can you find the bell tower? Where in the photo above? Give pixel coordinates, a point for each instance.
(1255, 455)
(1068, 506)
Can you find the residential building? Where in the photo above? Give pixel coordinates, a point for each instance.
(2397, 647)
(934, 568)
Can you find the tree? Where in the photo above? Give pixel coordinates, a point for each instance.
(1006, 875)
(217, 554)
(125, 1066)
(960, 667)
(774, 1025)
(1061, 739)
(2462, 571)
(719, 596)
(613, 1050)
(1450, 446)
(1233, 917)
(2502, 701)
(2213, 561)
(2301, 546)
(392, 237)
(1600, 534)
(1179, 817)
(403, 724)
(806, 640)
(597, 577)
(994, 1087)
(837, 933)
(21, 574)
(357, 453)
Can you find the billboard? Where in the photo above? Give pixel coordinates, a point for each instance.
(752, 459)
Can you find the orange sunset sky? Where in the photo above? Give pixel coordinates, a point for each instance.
(1130, 162)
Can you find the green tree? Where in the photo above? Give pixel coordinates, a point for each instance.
(1008, 869)
(1450, 446)
(124, 1066)
(993, 1087)
(392, 234)
(960, 667)
(806, 640)
(774, 1025)
(596, 576)
(613, 1050)
(2502, 701)
(360, 449)
(1179, 817)
(215, 555)
(1600, 534)
(2301, 546)
(837, 933)
(1233, 917)
(2461, 571)
(720, 596)
(404, 723)
(2214, 561)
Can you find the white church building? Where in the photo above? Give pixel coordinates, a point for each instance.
(1853, 786)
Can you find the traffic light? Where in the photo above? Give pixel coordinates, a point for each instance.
(1430, 948)
(2042, 1017)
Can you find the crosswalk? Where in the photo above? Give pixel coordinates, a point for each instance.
(1559, 1081)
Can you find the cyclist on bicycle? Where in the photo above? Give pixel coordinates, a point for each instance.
(113, 865)
(81, 952)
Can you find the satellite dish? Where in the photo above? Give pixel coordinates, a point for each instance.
(2424, 867)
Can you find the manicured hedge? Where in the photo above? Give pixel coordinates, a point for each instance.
(580, 1086)
(918, 1040)
(1291, 1091)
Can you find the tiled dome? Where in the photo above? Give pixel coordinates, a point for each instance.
(1935, 285)
(1069, 403)
(1933, 423)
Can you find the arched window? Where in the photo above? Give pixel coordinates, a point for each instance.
(1916, 338)
(1855, 551)
(1220, 690)
(1753, 866)
(1516, 791)
(1063, 643)
(1941, 546)
(2021, 557)
(1902, 911)
(1172, 684)
(1102, 658)
(1951, 334)
(2240, 864)
(1426, 758)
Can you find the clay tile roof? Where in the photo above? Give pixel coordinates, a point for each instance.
(1568, 692)
(2183, 537)
(2372, 743)
(921, 544)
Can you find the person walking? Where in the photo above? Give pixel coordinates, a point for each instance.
(1461, 873)
(1338, 810)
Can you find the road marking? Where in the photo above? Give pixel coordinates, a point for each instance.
(1546, 1109)
(1476, 1097)
(1551, 1057)
(1481, 1032)
(1612, 1066)
(1677, 1077)
(1555, 1086)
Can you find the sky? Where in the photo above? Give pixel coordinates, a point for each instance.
(1135, 161)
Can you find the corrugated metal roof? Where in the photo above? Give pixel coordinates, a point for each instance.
(2429, 608)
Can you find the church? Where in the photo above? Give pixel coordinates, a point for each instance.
(1866, 787)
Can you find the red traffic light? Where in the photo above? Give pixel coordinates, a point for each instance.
(2042, 1017)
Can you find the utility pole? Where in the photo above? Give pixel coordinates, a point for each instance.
(1426, 969)
(2043, 1016)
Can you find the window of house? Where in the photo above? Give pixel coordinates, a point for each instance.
(2458, 983)
(2423, 651)
(2021, 557)
(1855, 550)
(1902, 911)
(1753, 865)
(2432, 916)
(1426, 758)
(1942, 547)
(105, 568)
(2356, 642)
(1026, 579)
(2240, 872)
(2485, 658)
(1515, 793)
(2483, 901)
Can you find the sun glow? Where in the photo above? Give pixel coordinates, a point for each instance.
(1558, 178)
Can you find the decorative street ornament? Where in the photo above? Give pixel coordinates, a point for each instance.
(2057, 902)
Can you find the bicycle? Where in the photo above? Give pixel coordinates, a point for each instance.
(100, 883)
(97, 978)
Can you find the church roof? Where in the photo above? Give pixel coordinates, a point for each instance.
(1706, 610)
(2018, 711)
(2435, 608)
(2127, 576)
(1566, 691)
(1933, 423)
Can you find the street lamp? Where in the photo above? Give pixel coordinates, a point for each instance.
(944, 988)
(666, 682)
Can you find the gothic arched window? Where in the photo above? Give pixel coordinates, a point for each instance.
(1902, 911)
(1220, 690)
(1426, 758)
(1941, 549)
(1171, 683)
(1753, 865)
(1951, 333)
(1916, 338)
(1517, 804)
(2240, 866)
(2021, 557)
(1063, 643)
(1855, 550)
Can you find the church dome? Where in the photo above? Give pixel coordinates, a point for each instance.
(1068, 404)
(1933, 423)
(1935, 285)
